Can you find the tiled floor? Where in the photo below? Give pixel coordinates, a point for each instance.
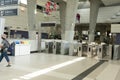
(25, 66)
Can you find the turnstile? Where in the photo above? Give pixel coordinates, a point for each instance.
(109, 52)
(73, 48)
(102, 51)
(49, 46)
(65, 47)
(84, 49)
(116, 52)
(57, 47)
(89, 51)
(92, 50)
(80, 49)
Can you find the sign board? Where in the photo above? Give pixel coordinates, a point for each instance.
(115, 28)
(48, 24)
(8, 2)
(9, 12)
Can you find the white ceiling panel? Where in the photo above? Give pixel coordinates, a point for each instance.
(104, 15)
(41, 2)
(111, 2)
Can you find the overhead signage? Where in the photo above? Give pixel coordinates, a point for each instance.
(8, 2)
(48, 24)
(9, 12)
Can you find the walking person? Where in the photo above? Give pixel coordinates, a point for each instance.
(4, 46)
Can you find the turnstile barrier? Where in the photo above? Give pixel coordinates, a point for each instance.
(116, 52)
(73, 48)
(49, 46)
(65, 47)
(79, 49)
(92, 50)
(57, 47)
(102, 51)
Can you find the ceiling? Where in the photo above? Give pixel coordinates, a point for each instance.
(41, 2)
(111, 2)
(85, 4)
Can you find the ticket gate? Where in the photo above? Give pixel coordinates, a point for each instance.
(89, 51)
(43, 47)
(84, 49)
(116, 52)
(102, 51)
(57, 47)
(80, 49)
(92, 50)
(65, 47)
(109, 52)
(54, 47)
(73, 48)
(49, 46)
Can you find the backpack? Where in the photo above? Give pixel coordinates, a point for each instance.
(11, 47)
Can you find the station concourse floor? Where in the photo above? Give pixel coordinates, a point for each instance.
(42, 66)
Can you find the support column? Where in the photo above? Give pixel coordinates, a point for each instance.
(62, 18)
(31, 16)
(68, 12)
(71, 10)
(69, 23)
(94, 8)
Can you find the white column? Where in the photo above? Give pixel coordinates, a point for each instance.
(71, 10)
(69, 23)
(62, 18)
(31, 16)
(2, 24)
(68, 12)
(94, 8)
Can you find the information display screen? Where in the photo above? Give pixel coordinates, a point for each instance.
(9, 12)
(48, 24)
(8, 2)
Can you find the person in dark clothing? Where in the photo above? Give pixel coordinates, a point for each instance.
(4, 46)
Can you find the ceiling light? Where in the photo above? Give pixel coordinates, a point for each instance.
(23, 1)
(35, 11)
(22, 8)
(118, 14)
(114, 17)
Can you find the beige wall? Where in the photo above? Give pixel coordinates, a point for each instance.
(21, 20)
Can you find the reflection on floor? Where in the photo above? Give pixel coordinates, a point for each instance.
(50, 67)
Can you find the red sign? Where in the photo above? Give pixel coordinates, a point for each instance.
(50, 6)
